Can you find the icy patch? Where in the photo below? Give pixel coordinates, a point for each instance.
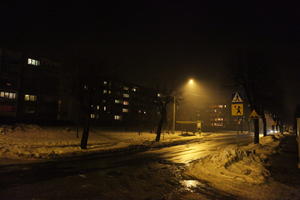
(191, 185)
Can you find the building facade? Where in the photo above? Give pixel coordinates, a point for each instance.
(29, 87)
(34, 89)
(119, 103)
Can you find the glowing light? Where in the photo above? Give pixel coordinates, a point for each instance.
(191, 81)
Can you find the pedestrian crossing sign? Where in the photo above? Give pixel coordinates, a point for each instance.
(237, 98)
(237, 109)
(254, 114)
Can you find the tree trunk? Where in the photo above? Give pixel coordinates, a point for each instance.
(161, 122)
(158, 132)
(86, 121)
(264, 125)
(256, 131)
(85, 137)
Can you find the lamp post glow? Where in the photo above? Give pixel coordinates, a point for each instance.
(190, 82)
(174, 114)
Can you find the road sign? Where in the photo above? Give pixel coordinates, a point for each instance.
(237, 109)
(237, 98)
(254, 114)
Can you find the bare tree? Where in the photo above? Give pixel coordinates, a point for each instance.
(255, 77)
(162, 104)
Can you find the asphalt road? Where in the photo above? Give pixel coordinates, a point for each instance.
(148, 174)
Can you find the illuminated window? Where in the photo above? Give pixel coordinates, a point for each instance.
(125, 103)
(134, 89)
(217, 124)
(225, 106)
(126, 88)
(220, 106)
(105, 82)
(158, 94)
(92, 106)
(117, 117)
(104, 108)
(215, 110)
(126, 95)
(125, 110)
(109, 91)
(29, 97)
(85, 87)
(93, 116)
(8, 95)
(98, 107)
(219, 119)
(140, 111)
(104, 91)
(145, 112)
(34, 62)
(117, 101)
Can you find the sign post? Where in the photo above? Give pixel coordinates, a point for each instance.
(237, 109)
(255, 117)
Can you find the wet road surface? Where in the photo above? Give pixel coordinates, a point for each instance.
(148, 174)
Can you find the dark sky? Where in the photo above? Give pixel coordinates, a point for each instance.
(178, 38)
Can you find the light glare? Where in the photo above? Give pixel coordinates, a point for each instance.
(191, 81)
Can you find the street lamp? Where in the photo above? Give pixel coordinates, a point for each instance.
(191, 82)
(174, 114)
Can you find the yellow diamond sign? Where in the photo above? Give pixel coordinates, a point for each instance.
(237, 109)
(254, 114)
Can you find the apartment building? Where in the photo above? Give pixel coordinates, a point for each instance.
(29, 87)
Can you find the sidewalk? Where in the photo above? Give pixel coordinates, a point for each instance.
(284, 165)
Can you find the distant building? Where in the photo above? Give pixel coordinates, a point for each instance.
(35, 89)
(116, 103)
(217, 117)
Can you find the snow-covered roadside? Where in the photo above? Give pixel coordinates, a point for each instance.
(32, 142)
(238, 170)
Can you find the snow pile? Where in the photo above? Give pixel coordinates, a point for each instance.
(235, 164)
(34, 142)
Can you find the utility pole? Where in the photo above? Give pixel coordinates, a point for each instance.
(174, 114)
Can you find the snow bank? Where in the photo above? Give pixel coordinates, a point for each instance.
(34, 142)
(235, 164)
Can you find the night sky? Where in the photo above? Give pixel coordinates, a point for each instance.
(178, 39)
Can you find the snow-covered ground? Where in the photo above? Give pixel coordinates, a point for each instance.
(35, 142)
(243, 172)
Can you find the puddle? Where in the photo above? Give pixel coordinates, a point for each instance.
(191, 185)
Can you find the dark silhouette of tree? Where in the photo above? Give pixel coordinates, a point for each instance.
(254, 75)
(86, 79)
(162, 103)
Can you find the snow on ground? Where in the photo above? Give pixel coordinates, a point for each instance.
(240, 170)
(35, 142)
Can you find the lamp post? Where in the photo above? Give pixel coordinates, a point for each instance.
(190, 82)
(174, 114)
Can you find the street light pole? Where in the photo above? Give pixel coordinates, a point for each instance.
(191, 82)
(174, 114)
